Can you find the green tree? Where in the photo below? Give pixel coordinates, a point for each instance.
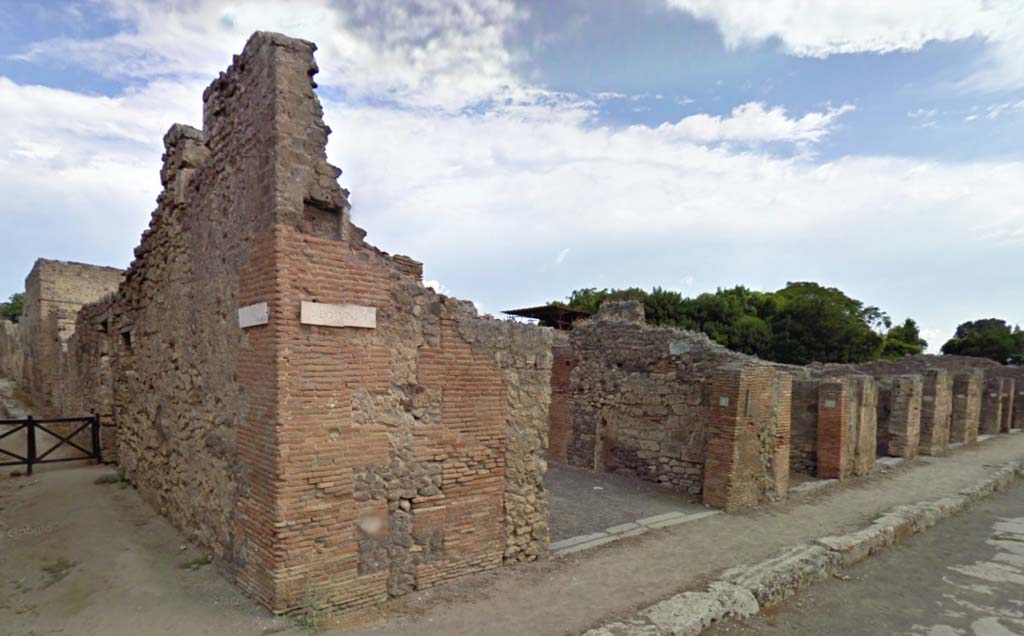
(11, 310)
(987, 338)
(903, 340)
(801, 323)
(664, 307)
(735, 318)
(822, 324)
(589, 299)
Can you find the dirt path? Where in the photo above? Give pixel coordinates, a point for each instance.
(94, 559)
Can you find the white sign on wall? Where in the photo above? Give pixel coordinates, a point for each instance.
(328, 315)
(252, 315)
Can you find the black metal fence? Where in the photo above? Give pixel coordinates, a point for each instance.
(33, 427)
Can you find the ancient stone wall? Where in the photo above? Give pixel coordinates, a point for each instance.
(54, 292)
(748, 434)
(1017, 412)
(936, 411)
(992, 401)
(86, 383)
(903, 422)
(560, 426)
(1008, 404)
(642, 402)
(803, 448)
(966, 416)
(835, 415)
(12, 357)
(311, 455)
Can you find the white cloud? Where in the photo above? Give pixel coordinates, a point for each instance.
(433, 53)
(996, 110)
(437, 286)
(829, 27)
(483, 195)
(752, 123)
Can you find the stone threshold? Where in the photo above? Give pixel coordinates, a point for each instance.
(624, 530)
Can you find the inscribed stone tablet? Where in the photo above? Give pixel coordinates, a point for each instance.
(328, 315)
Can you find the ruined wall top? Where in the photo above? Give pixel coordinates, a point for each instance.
(622, 310)
(70, 282)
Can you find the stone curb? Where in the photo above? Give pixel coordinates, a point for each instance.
(743, 591)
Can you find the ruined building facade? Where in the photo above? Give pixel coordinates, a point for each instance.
(289, 396)
(296, 401)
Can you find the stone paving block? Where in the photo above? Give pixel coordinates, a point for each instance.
(579, 547)
(646, 521)
(583, 538)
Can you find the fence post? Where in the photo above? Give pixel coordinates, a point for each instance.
(97, 451)
(31, 439)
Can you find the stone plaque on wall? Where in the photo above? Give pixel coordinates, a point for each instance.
(252, 315)
(328, 315)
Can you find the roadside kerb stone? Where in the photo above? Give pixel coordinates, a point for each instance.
(744, 590)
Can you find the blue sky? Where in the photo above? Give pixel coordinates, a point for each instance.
(525, 149)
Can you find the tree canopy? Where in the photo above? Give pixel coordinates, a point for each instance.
(11, 310)
(988, 338)
(801, 323)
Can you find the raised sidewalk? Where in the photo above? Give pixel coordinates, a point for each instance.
(573, 594)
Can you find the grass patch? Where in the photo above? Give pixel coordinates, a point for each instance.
(312, 613)
(195, 564)
(120, 479)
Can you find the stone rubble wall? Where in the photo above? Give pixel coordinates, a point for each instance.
(966, 407)
(12, 356)
(835, 421)
(642, 402)
(903, 421)
(936, 411)
(54, 293)
(560, 426)
(86, 382)
(804, 444)
(992, 405)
